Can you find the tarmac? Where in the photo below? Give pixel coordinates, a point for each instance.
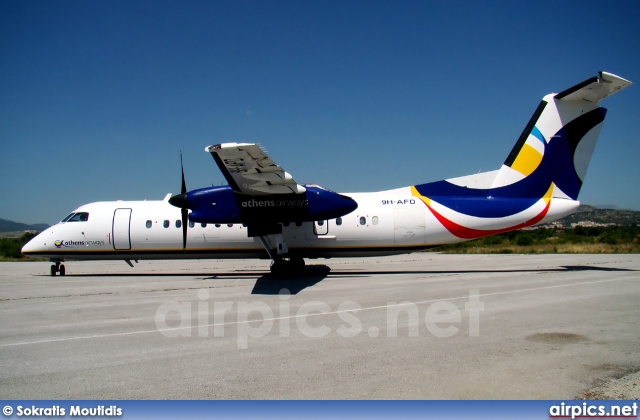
(418, 326)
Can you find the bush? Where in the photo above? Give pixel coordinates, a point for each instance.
(10, 247)
(524, 240)
(493, 240)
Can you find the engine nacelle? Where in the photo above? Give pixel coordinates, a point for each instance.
(213, 205)
(222, 205)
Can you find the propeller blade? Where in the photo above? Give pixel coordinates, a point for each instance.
(185, 220)
(184, 184)
(183, 210)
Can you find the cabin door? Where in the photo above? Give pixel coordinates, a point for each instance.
(121, 231)
(321, 227)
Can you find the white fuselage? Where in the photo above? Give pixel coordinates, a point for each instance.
(539, 182)
(385, 223)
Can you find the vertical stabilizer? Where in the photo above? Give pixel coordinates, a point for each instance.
(557, 143)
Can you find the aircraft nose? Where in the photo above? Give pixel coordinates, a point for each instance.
(31, 246)
(180, 201)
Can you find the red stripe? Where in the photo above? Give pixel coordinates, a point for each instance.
(464, 232)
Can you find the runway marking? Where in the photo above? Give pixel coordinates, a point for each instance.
(369, 308)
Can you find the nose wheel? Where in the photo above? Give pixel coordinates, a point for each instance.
(58, 268)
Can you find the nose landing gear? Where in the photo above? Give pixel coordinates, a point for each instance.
(58, 268)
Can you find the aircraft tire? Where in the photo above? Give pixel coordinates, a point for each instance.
(287, 267)
(279, 268)
(296, 264)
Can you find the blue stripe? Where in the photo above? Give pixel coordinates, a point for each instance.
(537, 134)
(490, 203)
(556, 166)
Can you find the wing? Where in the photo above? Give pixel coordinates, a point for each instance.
(249, 170)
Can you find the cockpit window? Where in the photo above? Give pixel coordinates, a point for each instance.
(67, 218)
(79, 217)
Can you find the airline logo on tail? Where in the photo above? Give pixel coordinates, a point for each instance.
(548, 161)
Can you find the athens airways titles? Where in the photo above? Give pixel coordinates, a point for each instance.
(275, 203)
(60, 244)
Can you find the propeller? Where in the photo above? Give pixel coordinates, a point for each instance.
(180, 200)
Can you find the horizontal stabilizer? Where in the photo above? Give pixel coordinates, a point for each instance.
(595, 89)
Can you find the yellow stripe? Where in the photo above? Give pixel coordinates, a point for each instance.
(179, 251)
(415, 193)
(547, 196)
(527, 161)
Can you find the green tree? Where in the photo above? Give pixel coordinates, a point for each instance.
(10, 247)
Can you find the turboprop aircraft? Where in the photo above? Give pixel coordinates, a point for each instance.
(265, 213)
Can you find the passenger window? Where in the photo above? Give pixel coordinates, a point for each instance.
(218, 225)
(204, 225)
(285, 224)
(363, 220)
(320, 222)
(165, 224)
(178, 223)
(149, 224)
(298, 224)
(230, 224)
(191, 224)
(338, 221)
(79, 217)
(374, 220)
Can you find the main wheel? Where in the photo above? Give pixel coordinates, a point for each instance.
(287, 267)
(279, 268)
(54, 270)
(296, 264)
(62, 270)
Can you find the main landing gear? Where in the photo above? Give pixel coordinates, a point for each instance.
(282, 265)
(58, 268)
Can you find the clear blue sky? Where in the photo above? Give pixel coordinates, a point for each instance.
(97, 98)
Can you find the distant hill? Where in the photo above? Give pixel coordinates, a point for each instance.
(9, 226)
(588, 213)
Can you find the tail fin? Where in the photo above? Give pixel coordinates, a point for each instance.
(557, 143)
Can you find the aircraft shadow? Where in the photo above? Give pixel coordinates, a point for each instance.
(562, 268)
(269, 285)
(313, 271)
(266, 284)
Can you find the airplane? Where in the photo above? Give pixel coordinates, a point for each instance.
(264, 213)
